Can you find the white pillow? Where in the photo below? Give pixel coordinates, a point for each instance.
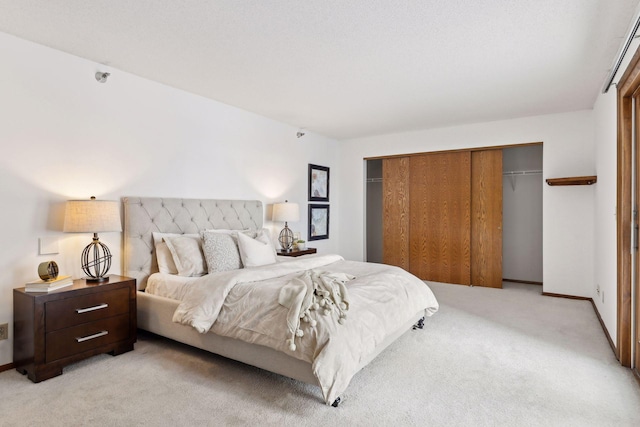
(163, 254)
(187, 254)
(165, 259)
(258, 251)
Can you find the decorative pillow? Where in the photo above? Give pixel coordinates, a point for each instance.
(163, 254)
(258, 251)
(165, 259)
(187, 254)
(267, 236)
(221, 251)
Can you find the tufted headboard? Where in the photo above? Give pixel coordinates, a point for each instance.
(144, 215)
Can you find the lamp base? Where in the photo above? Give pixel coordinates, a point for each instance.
(286, 238)
(96, 261)
(96, 280)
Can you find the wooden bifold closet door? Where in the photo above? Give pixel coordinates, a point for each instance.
(486, 218)
(439, 221)
(395, 207)
(442, 218)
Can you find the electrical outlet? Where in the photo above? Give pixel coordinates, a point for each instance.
(598, 289)
(4, 331)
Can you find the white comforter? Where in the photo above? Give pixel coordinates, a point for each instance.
(243, 304)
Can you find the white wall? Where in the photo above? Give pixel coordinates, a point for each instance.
(604, 113)
(605, 256)
(64, 136)
(568, 213)
(605, 136)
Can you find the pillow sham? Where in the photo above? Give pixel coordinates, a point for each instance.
(187, 255)
(163, 254)
(165, 259)
(221, 251)
(258, 251)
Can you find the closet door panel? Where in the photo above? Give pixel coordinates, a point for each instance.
(486, 218)
(395, 215)
(439, 242)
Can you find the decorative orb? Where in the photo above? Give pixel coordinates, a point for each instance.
(48, 270)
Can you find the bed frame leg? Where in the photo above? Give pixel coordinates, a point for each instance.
(419, 325)
(336, 403)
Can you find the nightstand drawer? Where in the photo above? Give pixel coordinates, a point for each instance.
(86, 308)
(80, 338)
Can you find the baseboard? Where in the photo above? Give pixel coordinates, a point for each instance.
(604, 328)
(527, 282)
(7, 367)
(549, 294)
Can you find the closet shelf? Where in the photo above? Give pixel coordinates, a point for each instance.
(574, 180)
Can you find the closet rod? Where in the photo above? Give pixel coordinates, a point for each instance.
(530, 172)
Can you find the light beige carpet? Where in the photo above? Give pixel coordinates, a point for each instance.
(506, 357)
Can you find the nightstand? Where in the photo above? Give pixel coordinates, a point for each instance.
(57, 328)
(296, 252)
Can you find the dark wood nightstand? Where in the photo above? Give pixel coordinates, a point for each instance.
(297, 252)
(57, 328)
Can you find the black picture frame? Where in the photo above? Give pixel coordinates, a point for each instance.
(318, 183)
(318, 222)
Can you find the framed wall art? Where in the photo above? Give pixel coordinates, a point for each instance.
(318, 222)
(318, 183)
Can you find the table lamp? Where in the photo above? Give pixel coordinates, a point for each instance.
(93, 216)
(285, 212)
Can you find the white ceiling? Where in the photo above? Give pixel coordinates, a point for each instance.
(349, 68)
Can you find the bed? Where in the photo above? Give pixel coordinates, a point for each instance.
(156, 313)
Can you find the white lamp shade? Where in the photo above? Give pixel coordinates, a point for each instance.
(92, 216)
(285, 212)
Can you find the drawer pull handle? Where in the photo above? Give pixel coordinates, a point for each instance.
(90, 337)
(95, 307)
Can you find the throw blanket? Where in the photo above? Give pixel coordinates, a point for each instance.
(314, 291)
(244, 304)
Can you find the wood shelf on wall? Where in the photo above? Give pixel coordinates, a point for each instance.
(574, 180)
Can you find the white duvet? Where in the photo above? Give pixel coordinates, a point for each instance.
(243, 304)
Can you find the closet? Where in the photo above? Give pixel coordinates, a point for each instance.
(442, 216)
(522, 214)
